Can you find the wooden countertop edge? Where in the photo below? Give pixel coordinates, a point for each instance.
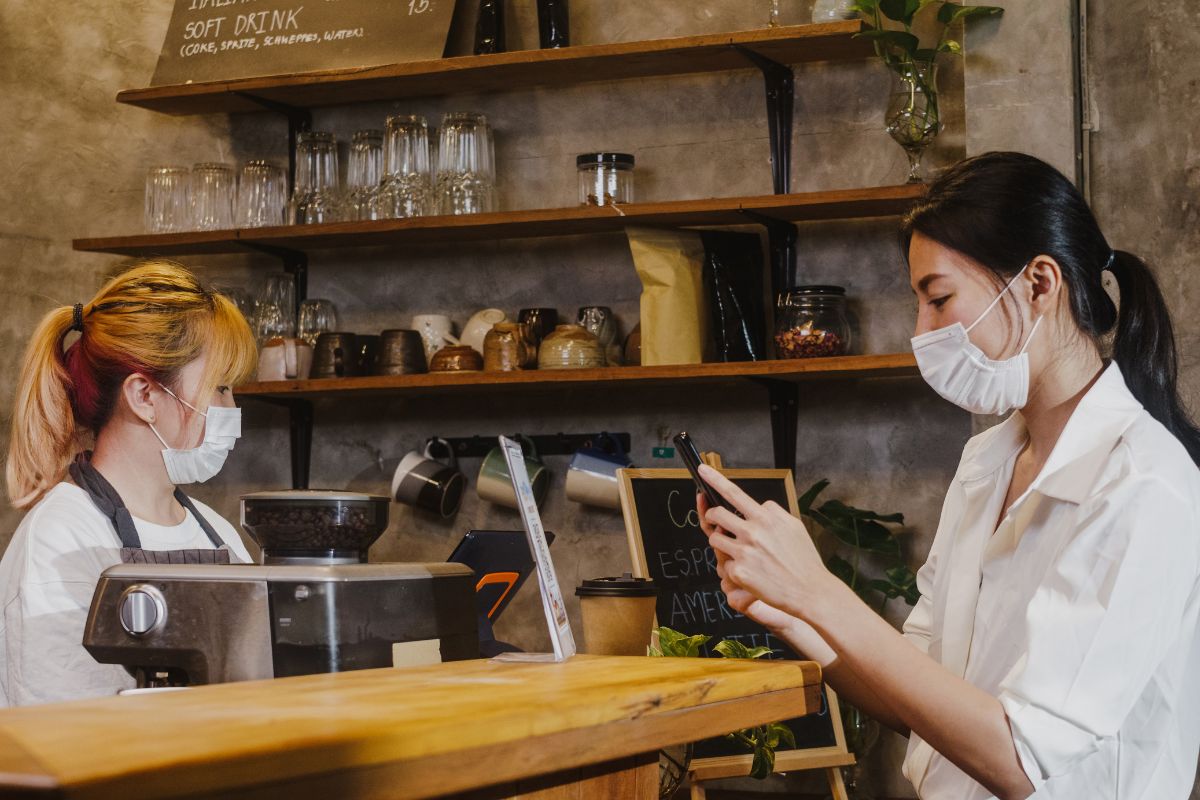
(445, 773)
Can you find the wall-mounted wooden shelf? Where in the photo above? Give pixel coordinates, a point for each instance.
(840, 204)
(501, 72)
(900, 365)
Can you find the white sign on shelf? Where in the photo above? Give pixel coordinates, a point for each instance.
(552, 599)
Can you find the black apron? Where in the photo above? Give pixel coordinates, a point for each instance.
(112, 506)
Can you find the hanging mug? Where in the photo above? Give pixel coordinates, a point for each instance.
(592, 476)
(423, 482)
(495, 482)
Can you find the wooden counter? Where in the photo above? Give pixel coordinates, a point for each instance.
(590, 727)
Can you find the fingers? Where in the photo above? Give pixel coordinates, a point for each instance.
(729, 490)
(725, 520)
(702, 509)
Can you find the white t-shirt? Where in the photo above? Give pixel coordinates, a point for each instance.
(47, 577)
(1079, 612)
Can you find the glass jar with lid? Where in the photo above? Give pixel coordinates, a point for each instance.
(605, 178)
(810, 322)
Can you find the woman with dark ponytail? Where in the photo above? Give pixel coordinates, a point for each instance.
(1054, 646)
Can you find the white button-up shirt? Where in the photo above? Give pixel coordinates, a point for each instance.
(1079, 612)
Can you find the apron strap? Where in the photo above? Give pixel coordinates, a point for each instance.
(112, 506)
(106, 499)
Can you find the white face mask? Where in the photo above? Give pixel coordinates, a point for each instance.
(222, 427)
(961, 373)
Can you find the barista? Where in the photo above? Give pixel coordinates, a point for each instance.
(147, 380)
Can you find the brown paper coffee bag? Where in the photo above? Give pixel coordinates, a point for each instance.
(674, 307)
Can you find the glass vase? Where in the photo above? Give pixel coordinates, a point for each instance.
(862, 733)
(912, 114)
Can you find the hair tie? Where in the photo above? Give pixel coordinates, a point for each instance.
(77, 318)
(1112, 256)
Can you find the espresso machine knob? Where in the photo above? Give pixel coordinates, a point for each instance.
(142, 610)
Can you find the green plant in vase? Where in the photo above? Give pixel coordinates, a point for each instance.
(864, 536)
(913, 118)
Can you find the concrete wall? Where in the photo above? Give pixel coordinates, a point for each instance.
(74, 163)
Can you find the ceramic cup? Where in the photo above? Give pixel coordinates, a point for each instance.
(478, 325)
(336, 356)
(541, 321)
(495, 483)
(592, 476)
(456, 358)
(423, 482)
(285, 359)
(401, 352)
(436, 331)
(618, 615)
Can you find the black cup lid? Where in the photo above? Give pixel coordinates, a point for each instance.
(624, 586)
(618, 159)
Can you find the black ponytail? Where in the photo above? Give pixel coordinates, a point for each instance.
(1003, 209)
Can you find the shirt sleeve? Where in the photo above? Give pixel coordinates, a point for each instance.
(919, 627)
(1109, 610)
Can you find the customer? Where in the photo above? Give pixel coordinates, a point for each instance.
(1054, 647)
(148, 377)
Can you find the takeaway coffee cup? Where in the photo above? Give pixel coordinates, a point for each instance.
(423, 482)
(592, 476)
(618, 615)
(495, 483)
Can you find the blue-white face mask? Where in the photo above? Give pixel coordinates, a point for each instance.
(961, 372)
(222, 428)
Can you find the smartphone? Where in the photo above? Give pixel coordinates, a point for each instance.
(691, 459)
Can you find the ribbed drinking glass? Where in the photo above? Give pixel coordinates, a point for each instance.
(364, 175)
(317, 196)
(212, 197)
(261, 195)
(168, 209)
(407, 186)
(466, 181)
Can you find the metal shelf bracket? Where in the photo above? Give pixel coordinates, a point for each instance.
(784, 399)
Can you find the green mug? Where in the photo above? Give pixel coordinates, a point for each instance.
(495, 484)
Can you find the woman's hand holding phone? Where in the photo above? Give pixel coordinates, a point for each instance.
(769, 553)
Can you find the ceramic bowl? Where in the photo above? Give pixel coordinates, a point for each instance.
(570, 347)
(456, 358)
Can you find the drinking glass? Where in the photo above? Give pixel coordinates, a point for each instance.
(466, 181)
(212, 197)
(364, 175)
(275, 311)
(407, 188)
(317, 196)
(316, 317)
(261, 195)
(168, 209)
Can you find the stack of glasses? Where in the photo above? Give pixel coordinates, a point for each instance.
(208, 198)
(390, 176)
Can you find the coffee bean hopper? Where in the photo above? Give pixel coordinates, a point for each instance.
(313, 605)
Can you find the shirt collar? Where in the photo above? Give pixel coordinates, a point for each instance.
(1103, 415)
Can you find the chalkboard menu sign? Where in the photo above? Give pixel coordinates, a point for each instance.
(667, 545)
(212, 40)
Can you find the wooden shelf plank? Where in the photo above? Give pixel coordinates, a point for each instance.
(522, 69)
(812, 206)
(898, 365)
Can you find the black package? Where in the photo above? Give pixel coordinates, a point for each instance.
(733, 276)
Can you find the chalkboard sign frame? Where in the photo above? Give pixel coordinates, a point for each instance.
(802, 758)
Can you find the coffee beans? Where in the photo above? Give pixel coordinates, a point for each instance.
(335, 525)
(808, 342)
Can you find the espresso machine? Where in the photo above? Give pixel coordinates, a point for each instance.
(313, 605)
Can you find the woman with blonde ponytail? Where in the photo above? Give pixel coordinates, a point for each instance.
(146, 382)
